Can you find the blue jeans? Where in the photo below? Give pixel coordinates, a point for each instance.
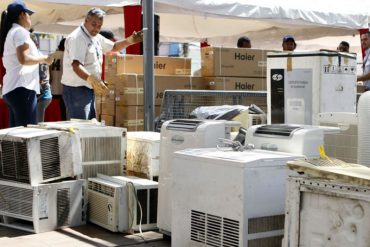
(22, 104)
(79, 102)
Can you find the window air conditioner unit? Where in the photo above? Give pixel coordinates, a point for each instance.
(113, 203)
(103, 148)
(178, 135)
(33, 156)
(43, 207)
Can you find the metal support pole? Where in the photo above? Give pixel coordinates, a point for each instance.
(149, 83)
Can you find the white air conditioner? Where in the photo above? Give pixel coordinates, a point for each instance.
(322, 212)
(342, 145)
(143, 154)
(43, 207)
(103, 147)
(113, 203)
(178, 135)
(229, 198)
(289, 138)
(33, 156)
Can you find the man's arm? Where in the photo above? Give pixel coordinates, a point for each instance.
(136, 37)
(364, 77)
(80, 70)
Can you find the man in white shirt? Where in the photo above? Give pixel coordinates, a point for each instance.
(365, 77)
(82, 64)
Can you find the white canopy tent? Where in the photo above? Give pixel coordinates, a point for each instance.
(220, 22)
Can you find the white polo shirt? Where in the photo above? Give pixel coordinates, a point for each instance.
(18, 75)
(86, 49)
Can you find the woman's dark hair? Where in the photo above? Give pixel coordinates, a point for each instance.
(6, 24)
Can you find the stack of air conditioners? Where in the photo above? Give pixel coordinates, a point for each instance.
(178, 135)
(31, 160)
(103, 148)
(123, 204)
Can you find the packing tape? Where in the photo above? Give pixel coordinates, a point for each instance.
(289, 63)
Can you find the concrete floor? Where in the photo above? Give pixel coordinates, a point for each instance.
(82, 236)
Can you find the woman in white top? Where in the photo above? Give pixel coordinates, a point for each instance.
(21, 61)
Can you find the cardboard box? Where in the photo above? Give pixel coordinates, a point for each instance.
(108, 106)
(121, 64)
(129, 87)
(240, 62)
(236, 83)
(132, 117)
(108, 120)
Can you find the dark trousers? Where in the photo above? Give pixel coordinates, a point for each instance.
(22, 104)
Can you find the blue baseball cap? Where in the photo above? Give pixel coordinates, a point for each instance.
(288, 38)
(17, 7)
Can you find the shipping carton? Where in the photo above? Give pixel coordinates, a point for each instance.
(132, 117)
(121, 64)
(236, 83)
(240, 62)
(129, 87)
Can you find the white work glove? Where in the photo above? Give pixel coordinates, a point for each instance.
(98, 85)
(136, 37)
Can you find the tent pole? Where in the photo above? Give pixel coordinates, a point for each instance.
(149, 83)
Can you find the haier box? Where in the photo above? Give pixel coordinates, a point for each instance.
(303, 84)
(220, 61)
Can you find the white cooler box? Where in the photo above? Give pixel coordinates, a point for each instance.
(301, 85)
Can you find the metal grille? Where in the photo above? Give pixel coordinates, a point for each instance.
(63, 208)
(14, 161)
(16, 200)
(213, 230)
(178, 104)
(266, 242)
(148, 201)
(276, 129)
(91, 171)
(98, 208)
(101, 188)
(331, 162)
(50, 158)
(101, 148)
(265, 224)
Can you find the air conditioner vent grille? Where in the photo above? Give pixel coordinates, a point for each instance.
(98, 208)
(214, 230)
(184, 125)
(50, 159)
(63, 206)
(266, 242)
(101, 148)
(16, 200)
(265, 224)
(14, 161)
(110, 169)
(101, 188)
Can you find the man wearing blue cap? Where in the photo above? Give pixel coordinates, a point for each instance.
(21, 60)
(289, 43)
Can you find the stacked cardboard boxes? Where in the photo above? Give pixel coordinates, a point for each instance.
(235, 69)
(124, 105)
